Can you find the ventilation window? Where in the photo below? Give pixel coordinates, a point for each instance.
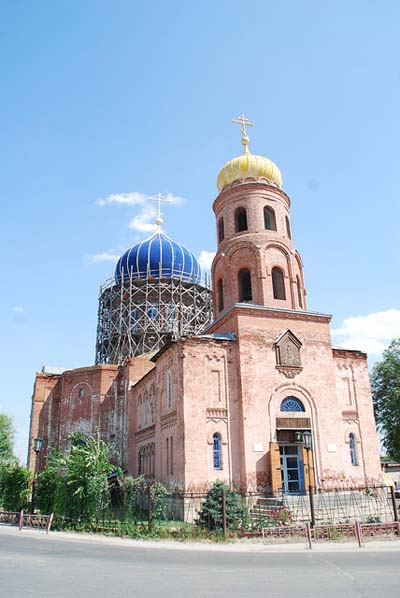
(278, 284)
(221, 231)
(269, 218)
(289, 234)
(244, 283)
(240, 220)
(220, 292)
(299, 297)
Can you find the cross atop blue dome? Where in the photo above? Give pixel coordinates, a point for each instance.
(158, 257)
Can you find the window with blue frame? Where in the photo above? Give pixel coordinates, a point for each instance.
(217, 456)
(353, 449)
(292, 404)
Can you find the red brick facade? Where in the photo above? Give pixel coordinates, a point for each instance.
(216, 406)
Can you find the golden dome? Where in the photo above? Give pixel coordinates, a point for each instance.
(248, 166)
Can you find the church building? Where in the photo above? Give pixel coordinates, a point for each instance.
(240, 383)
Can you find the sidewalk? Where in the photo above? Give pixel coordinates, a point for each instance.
(245, 546)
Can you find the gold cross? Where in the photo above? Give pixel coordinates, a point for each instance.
(244, 121)
(159, 199)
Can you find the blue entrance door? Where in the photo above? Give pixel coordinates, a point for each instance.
(292, 470)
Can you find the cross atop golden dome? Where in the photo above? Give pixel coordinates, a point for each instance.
(244, 121)
(248, 166)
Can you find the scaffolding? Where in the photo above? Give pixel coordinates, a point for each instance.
(141, 313)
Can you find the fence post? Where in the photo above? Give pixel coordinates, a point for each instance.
(49, 522)
(358, 532)
(224, 512)
(150, 503)
(21, 519)
(307, 530)
(393, 497)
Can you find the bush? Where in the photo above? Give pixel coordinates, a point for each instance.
(15, 487)
(210, 516)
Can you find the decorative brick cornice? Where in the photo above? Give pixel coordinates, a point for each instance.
(267, 312)
(240, 186)
(289, 372)
(350, 415)
(215, 413)
(149, 432)
(351, 353)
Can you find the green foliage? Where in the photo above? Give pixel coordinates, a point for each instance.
(49, 485)
(75, 485)
(385, 383)
(133, 492)
(6, 438)
(15, 487)
(86, 481)
(210, 516)
(158, 493)
(136, 493)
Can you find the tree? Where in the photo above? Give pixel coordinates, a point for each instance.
(385, 383)
(210, 516)
(76, 484)
(6, 438)
(15, 487)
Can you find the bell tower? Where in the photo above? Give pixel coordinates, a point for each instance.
(256, 261)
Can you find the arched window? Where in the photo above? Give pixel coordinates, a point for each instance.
(289, 234)
(353, 449)
(278, 284)
(244, 283)
(217, 457)
(269, 218)
(221, 231)
(299, 297)
(240, 220)
(220, 292)
(292, 404)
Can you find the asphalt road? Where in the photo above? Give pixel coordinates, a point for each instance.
(39, 566)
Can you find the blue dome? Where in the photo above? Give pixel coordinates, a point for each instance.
(158, 257)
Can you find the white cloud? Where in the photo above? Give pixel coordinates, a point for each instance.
(205, 259)
(106, 256)
(144, 221)
(127, 199)
(371, 333)
(17, 309)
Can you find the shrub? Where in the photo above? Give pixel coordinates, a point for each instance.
(15, 487)
(210, 516)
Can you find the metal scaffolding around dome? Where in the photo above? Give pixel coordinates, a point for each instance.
(139, 314)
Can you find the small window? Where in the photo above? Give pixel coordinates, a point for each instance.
(292, 404)
(221, 231)
(289, 234)
(353, 449)
(152, 312)
(299, 296)
(278, 284)
(220, 292)
(169, 390)
(240, 220)
(269, 218)
(244, 283)
(81, 393)
(217, 460)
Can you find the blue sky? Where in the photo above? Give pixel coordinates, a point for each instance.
(103, 99)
